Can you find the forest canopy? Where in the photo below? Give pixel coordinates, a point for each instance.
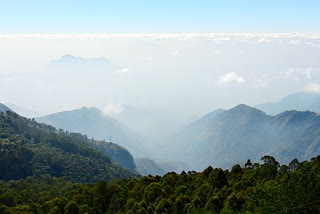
(255, 188)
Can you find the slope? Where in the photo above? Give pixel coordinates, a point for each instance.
(4, 108)
(302, 101)
(92, 122)
(243, 133)
(146, 166)
(32, 149)
(25, 112)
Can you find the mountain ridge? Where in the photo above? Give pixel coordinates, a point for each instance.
(4, 108)
(93, 123)
(301, 101)
(243, 132)
(29, 148)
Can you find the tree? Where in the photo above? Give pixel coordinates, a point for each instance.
(152, 192)
(248, 164)
(213, 205)
(293, 164)
(71, 208)
(217, 178)
(236, 173)
(270, 160)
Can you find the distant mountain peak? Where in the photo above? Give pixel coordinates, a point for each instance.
(70, 59)
(300, 101)
(90, 109)
(243, 108)
(301, 115)
(68, 56)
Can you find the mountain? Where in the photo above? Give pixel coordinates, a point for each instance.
(25, 112)
(68, 61)
(146, 166)
(302, 101)
(28, 148)
(115, 152)
(4, 108)
(93, 123)
(223, 138)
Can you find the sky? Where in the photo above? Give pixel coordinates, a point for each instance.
(182, 58)
(161, 16)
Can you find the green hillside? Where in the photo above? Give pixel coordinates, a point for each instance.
(93, 123)
(28, 148)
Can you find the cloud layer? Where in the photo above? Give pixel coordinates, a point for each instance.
(161, 72)
(231, 78)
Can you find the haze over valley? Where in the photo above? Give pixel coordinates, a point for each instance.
(154, 107)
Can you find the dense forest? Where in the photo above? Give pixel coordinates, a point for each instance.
(254, 188)
(28, 148)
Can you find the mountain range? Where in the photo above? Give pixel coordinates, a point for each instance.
(302, 101)
(93, 123)
(69, 61)
(224, 137)
(220, 138)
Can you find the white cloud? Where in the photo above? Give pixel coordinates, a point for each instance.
(123, 70)
(309, 43)
(231, 77)
(302, 71)
(293, 42)
(264, 40)
(112, 109)
(191, 37)
(313, 87)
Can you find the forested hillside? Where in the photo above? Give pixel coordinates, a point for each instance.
(254, 188)
(28, 148)
(224, 138)
(92, 122)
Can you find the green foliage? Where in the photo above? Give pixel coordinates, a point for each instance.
(71, 208)
(28, 148)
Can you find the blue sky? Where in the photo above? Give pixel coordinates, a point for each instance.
(162, 16)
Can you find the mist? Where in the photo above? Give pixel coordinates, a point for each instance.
(179, 76)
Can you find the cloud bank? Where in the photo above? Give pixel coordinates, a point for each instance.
(231, 78)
